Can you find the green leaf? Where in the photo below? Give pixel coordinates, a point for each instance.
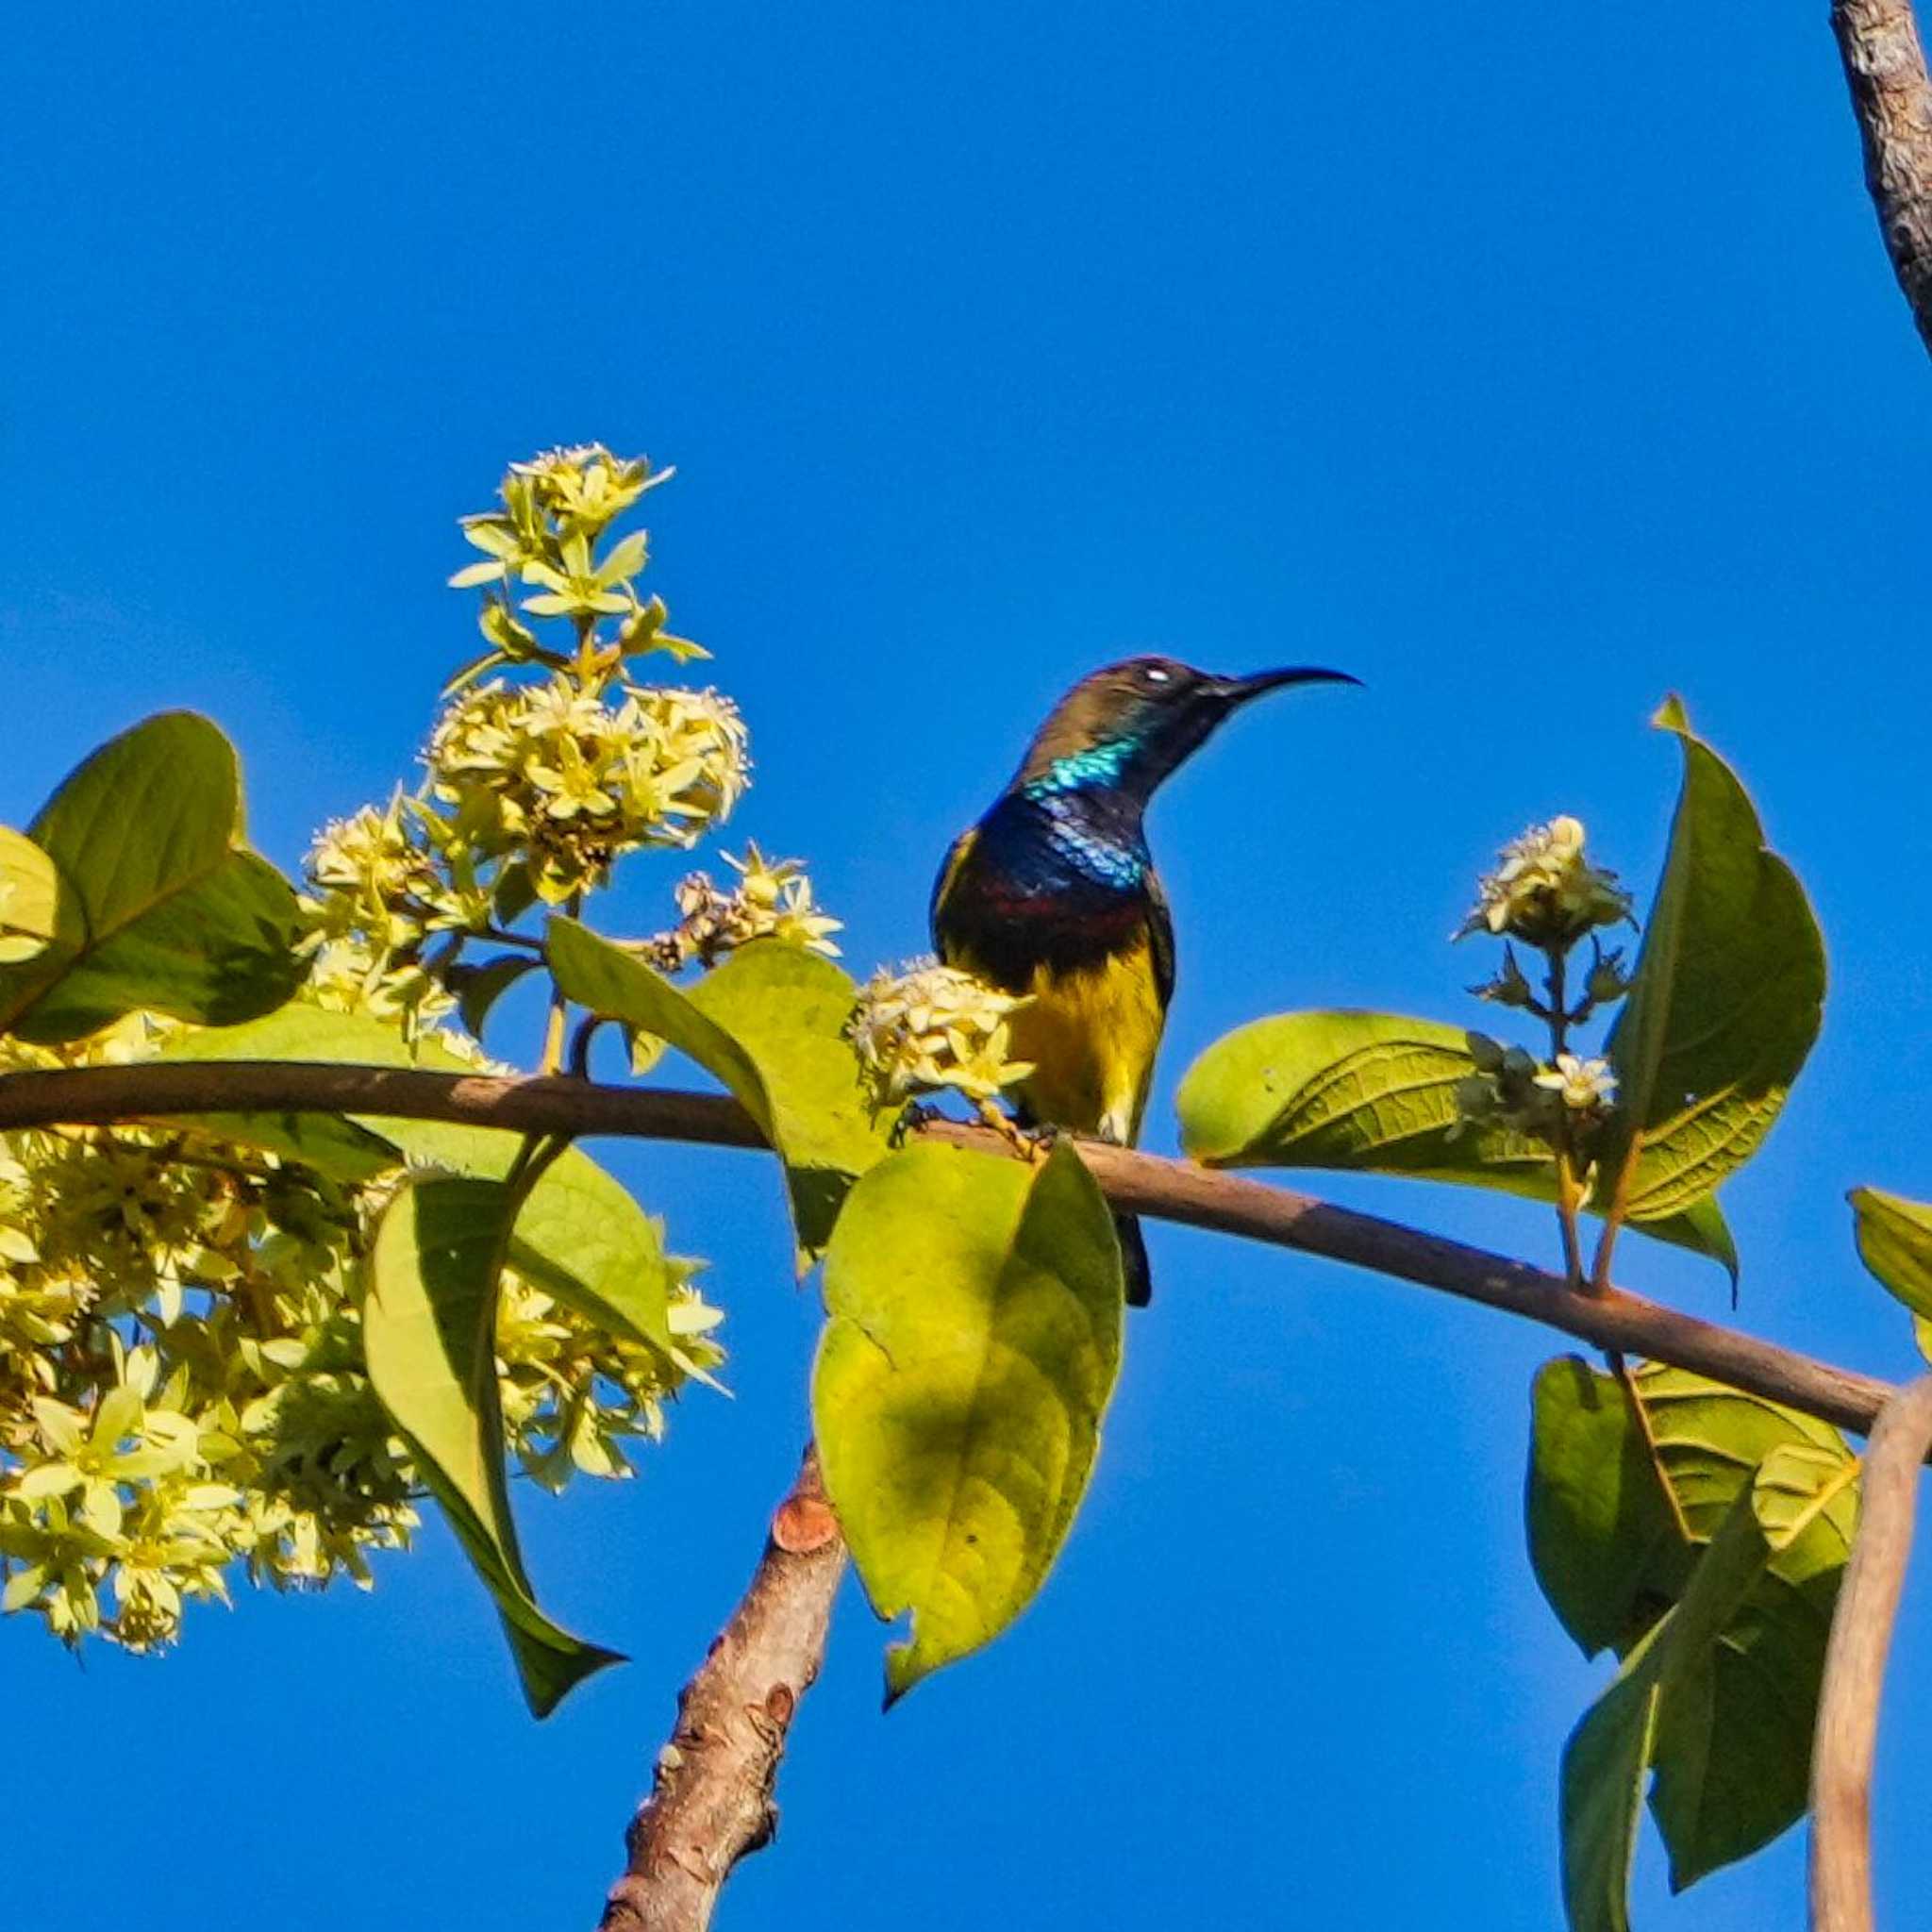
(160, 906)
(1625, 1512)
(770, 1025)
(29, 898)
(580, 1234)
(1376, 1093)
(429, 1324)
(1727, 998)
(481, 986)
(1895, 1239)
(1602, 1537)
(975, 1334)
(1600, 1798)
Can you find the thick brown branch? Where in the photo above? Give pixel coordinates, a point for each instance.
(1878, 41)
(1144, 1183)
(1854, 1665)
(711, 1802)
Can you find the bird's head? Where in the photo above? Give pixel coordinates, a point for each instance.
(1125, 726)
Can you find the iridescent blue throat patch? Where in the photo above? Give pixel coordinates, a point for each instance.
(1098, 765)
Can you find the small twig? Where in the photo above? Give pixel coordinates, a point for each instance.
(1885, 65)
(1854, 1664)
(711, 1802)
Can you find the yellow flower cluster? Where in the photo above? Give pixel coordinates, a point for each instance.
(1545, 892)
(181, 1381)
(570, 781)
(930, 1027)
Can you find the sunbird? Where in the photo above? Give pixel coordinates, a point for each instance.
(1052, 894)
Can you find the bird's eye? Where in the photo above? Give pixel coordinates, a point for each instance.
(1154, 674)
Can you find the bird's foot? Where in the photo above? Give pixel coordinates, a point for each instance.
(1030, 1144)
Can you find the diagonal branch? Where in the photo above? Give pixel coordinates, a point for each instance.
(1878, 41)
(710, 1802)
(1140, 1183)
(1854, 1665)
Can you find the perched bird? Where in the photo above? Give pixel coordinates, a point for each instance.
(1054, 894)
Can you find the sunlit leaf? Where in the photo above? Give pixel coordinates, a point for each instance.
(768, 1025)
(1375, 1092)
(976, 1309)
(160, 906)
(429, 1324)
(29, 898)
(1727, 998)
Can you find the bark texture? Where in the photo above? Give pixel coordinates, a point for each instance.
(710, 1803)
(1885, 64)
(1854, 1665)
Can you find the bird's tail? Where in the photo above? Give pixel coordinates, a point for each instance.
(1133, 1261)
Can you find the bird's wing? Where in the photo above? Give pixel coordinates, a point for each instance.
(1161, 938)
(956, 857)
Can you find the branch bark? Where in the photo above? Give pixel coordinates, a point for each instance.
(710, 1803)
(1885, 65)
(1140, 1183)
(1854, 1665)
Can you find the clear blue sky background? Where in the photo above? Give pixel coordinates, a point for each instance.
(1527, 362)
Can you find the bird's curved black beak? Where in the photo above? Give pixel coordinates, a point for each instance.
(1239, 691)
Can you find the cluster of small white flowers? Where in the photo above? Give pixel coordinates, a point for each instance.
(772, 899)
(930, 1027)
(1544, 891)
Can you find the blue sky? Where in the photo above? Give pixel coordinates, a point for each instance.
(1527, 363)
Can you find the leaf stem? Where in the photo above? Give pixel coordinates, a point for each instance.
(555, 1028)
(1569, 1190)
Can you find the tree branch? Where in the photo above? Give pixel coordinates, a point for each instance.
(1878, 41)
(1854, 1665)
(711, 1802)
(1140, 1183)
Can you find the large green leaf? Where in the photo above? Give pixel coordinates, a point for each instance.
(769, 1023)
(161, 907)
(428, 1323)
(580, 1234)
(1375, 1092)
(1728, 995)
(974, 1336)
(1622, 1507)
(1717, 1795)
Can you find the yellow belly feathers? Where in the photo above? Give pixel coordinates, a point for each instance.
(1092, 1036)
